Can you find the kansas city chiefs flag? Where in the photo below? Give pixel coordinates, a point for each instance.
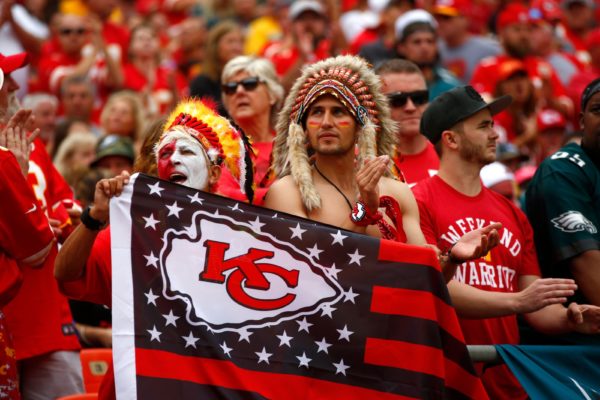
(216, 299)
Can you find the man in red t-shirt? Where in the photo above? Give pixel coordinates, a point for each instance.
(490, 291)
(39, 316)
(513, 26)
(406, 89)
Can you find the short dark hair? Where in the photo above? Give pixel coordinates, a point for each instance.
(418, 26)
(77, 80)
(398, 66)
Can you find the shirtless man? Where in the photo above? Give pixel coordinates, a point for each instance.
(336, 106)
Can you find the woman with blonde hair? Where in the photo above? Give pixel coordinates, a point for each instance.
(123, 115)
(74, 155)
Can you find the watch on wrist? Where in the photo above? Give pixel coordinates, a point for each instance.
(90, 222)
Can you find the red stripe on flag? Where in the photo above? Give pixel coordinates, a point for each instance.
(416, 303)
(459, 379)
(406, 253)
(409, 356)
(206, 371)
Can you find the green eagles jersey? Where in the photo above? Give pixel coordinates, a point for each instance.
(563, 205)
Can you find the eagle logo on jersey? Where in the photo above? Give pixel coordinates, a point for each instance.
(573, 221)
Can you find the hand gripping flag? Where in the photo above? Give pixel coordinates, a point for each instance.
(218, 299)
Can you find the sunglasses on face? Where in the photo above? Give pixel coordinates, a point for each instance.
(249, 84)
(69, 31)
(399, 99)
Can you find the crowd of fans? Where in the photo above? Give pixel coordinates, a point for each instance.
(101, 77)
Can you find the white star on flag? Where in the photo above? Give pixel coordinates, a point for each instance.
(338, 238)
(150, 222)
(350, 295)
(355, 257)
(263, 355)
(303, 360)
(156, 189)
(333, 271)
(171, 319)
(154, 334)
(174, 209)
(304, 325)
(236, 207)
(190, 340)
(285, 339)
(327, 310)
(314, 251)
(297, 232)
(226, 350)
(151, 260)
(344, 333)
(151, 297)
(256, 225)
(323, 346)
(340, 368)
(195, 199)
(245, 335)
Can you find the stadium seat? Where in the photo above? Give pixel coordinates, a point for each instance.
(94, 364)
(82, 396)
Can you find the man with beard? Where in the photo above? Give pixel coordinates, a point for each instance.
(185, 156)
(563, 204)
(490, 291)
(514, 31)
(416, 35)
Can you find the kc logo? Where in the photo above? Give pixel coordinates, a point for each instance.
(247, 273)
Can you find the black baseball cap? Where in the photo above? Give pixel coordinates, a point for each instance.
(454, 106)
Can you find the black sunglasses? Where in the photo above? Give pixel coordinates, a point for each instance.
(249, 84)
(399, 99)
(69, 31)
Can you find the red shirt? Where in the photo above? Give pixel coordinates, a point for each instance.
(39, 316)
(416, 167)
(485, 76)
(446, 215)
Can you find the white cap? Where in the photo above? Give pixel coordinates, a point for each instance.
(305, 5)
(413, 16)
(1, 78)
(494, 173)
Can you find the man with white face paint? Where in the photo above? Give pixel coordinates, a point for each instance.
(195, 143)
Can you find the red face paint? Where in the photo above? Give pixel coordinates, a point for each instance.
(164, 165)
(343, 124)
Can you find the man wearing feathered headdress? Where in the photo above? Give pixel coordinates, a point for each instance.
(195, 144)
(332, 153)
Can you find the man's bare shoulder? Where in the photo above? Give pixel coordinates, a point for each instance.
(284, 195)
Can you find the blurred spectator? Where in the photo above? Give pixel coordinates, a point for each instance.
(74, 155)
(551, 126)
(312, 36)
(460, 50)
(23, 26)
(190, 47)
(123, 115)
(510, 155)
(523, 177)
(225, 41)
(514, 32)
(578, 19)
(563, 205)
(44, 107)
(546, 45)
(518, 122)
(592, 71)
(68, 127)
(252, 96)
(406, 90)
(361, 17)
(497, 177)
(80, 49)
(417, 42)
(114, 36)
(160, 86)
(377, 45)
(115, 154)
(77, 95)
(267, 27)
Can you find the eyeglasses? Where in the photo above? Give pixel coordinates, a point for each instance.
(399, 99)
(249, 84)
(69, 31)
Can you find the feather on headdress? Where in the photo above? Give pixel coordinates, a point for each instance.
(222, 141)
(358, 88)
